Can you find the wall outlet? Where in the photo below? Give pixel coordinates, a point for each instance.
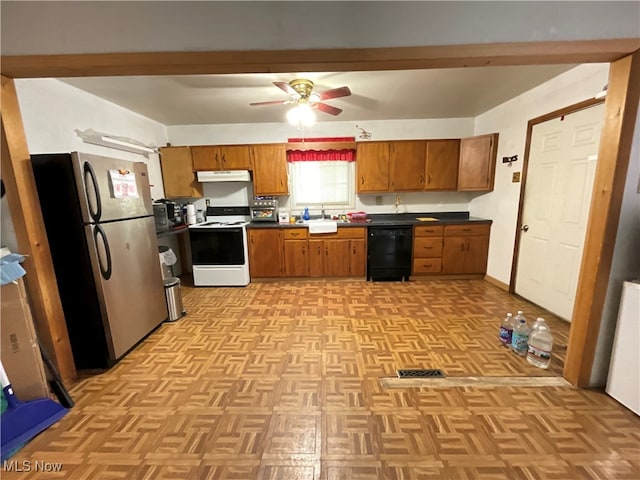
(515, 178)
(378, 199)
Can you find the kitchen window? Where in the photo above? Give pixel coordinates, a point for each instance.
(322, 178)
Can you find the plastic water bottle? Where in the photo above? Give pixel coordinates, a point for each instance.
(520, 336)
(540, 345)
(506, 330)
(539, 321)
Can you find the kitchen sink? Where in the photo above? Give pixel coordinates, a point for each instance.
(317, 221)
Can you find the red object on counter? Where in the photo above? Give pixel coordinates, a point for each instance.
(357, 216)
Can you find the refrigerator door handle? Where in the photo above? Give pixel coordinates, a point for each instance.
(95, 205)
(105, 272)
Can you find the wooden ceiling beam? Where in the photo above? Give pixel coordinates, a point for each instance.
(325, 60)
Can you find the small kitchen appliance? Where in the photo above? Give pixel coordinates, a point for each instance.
(264, 209)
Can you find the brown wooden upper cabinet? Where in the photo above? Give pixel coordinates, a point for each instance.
(407, 165)
(477, 163)
(442, 157)
(372, 167)
(220, 157)
(177, 173)
(269, 165)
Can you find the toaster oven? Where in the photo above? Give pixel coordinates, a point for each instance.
(264, 210)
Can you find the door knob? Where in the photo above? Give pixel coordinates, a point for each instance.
(524, 228)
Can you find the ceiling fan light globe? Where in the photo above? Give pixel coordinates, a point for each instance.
(301, 115)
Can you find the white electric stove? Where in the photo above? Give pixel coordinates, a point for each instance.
(219, 251)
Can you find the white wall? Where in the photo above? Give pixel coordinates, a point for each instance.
(93, 27)
(52, 110)
(625, 264)
(510, 121)
(244, 133)
(380, 130)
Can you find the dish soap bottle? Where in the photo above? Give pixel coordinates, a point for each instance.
(306, 215)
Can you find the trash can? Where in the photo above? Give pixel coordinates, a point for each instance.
(167, 260)
(174, 298)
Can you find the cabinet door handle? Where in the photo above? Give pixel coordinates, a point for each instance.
(354, 250)
(303, 250)
(326, 251)
(319, 252)
(462, 247)
(428, 248)
(468, 246)
(466, 230)
(429, 178)
(224, 159)
(362, 180)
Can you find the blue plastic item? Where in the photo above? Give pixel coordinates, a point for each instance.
(306, 215)
(22, 421)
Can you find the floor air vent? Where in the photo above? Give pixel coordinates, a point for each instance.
(427, 373)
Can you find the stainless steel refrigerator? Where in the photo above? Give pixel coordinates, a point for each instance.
(100, 225)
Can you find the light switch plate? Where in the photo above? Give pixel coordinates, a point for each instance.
(378, 199)
(515, 178)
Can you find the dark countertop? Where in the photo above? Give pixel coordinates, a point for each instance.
(391, 219)
(173, 231)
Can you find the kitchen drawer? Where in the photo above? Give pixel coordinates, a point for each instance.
(427, 247)
(345, 232)
(427, 265)
(430, 231)
(295, 233)
(467, 229)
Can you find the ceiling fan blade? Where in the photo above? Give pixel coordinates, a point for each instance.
(330, 109)
(334, 93)
(273, 102)
(284, 86)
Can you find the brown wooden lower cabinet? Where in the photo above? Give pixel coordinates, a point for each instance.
(427, 249)
(265, 252)
(340, 254)
(292, 252)
(296, 252)
(465, 249)
(450, 249)
(358, 258)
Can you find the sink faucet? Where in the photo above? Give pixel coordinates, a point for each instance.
(322, 212)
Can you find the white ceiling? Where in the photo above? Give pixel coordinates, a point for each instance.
(380, 95)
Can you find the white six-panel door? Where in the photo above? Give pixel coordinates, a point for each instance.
(562, 161)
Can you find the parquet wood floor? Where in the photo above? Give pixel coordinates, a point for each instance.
(282, 381)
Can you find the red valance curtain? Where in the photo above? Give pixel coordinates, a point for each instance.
(344, 155)
(321, 156)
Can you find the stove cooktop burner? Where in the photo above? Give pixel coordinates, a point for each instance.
(221, 224)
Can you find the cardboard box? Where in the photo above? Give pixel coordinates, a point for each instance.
(19, 348)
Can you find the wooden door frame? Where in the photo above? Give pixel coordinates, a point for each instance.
(576, 107)
(622, 103)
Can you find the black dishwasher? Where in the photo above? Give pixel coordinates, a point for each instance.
(389, 253)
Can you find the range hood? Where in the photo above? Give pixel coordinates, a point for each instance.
(225, 176)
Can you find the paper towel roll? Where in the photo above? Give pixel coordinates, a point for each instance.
(191, 210)
(191, 219)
